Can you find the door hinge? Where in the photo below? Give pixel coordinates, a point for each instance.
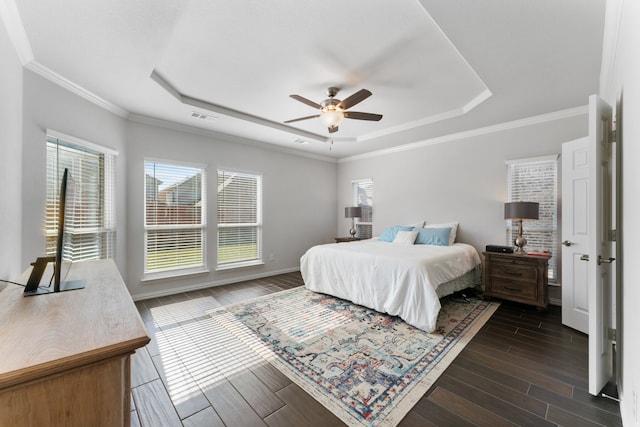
(613, 235)
(613, 135)
(611, 334)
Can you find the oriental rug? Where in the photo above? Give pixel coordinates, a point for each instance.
(367, 368)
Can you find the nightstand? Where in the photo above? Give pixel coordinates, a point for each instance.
(514, 277)
(346, 239)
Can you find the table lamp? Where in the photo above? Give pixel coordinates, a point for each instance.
(352, 212)
(520, 211)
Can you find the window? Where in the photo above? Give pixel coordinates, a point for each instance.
(239, 219)
(175, 217)
(536, 180)
(92, 227)
(363, 197)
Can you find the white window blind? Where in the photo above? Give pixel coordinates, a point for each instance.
(536, 180)
(91, 227)
(363, 197)
(175, 217)
(239, 218)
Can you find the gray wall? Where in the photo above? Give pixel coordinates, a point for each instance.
(462, 180)
(49, 106)
(10, 159)
(298, 201)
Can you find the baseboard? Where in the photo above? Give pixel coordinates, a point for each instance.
(173, 291)
(555, 294)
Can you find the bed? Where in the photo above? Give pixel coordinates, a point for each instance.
(402, 280)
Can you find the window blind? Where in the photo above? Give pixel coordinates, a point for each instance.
(239, 218)
(535, 180)
(91, 226)
(175, 217)
(363, 197)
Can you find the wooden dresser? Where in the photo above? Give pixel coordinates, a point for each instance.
(520, 278)
(65, 357)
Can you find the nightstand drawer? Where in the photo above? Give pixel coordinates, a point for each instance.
(516, 277)
(514, 290)
(514, 271)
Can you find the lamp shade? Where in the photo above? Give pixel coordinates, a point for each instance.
(521, 210)
(352, 212)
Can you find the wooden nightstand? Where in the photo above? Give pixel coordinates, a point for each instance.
(346, 239)
(520, 278)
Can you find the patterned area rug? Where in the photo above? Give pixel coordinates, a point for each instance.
(368, 368)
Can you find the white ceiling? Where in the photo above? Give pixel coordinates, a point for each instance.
(435, 67)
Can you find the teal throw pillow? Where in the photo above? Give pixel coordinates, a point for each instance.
(433, 236)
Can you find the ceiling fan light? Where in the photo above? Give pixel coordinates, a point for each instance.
(331, 118)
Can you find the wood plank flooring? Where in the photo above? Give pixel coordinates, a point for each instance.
(523, 368)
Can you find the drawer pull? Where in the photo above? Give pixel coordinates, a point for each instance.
(513, 289)
(513, 273)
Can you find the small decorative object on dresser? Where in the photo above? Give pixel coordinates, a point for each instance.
(517, 277)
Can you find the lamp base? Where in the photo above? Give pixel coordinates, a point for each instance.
(520, 242)
(352, 230)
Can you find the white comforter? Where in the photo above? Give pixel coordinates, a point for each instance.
(400, 280)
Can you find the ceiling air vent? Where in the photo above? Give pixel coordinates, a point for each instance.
(202, 116)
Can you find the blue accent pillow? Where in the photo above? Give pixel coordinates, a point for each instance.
(433, 236)
(389, 233)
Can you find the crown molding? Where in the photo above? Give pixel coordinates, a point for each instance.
(56, 78)
(17, 34)
(529, 121)
(483, 96)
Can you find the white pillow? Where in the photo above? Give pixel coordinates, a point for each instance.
(405, 237)
(454, 229)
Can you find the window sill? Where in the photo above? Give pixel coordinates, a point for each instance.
(235, 265)
(173, 274)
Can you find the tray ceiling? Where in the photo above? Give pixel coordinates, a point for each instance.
(434, 67)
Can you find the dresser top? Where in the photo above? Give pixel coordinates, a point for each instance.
(45, 334)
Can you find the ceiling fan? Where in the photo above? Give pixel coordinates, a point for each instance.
(332, 110)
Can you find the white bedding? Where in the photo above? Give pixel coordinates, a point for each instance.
(400, 280)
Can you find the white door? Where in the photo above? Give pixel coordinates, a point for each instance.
(575, 233)
(599, 271)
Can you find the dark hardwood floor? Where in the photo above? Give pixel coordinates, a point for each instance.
(522, 368)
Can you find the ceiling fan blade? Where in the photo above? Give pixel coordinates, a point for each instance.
(302, 118)
(333, 129)
(352, 100)
(362, 116)
(306, 101)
